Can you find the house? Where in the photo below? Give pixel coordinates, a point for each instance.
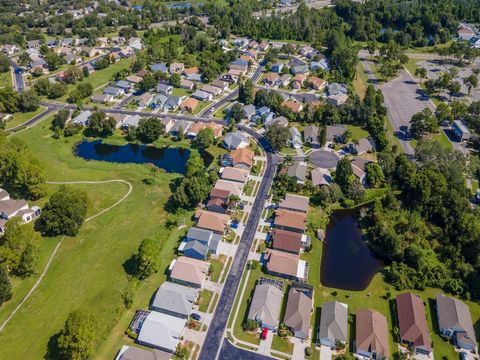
(195, 128)
(293, 105)
(135, 43)
(215, 222)
(188, 271)
(311, 134)
(83, 117)
(335, 132)
(283, 80)
(87, 66)
(159, 101)
(134, 79)
(333, 324)
(337, 89)
(337, 100)
(359, 173)
(219, 194)
(162, 67)
(279, 120)
(174, 299)
(253, 44)
(249, 111)
(205, 237)
(239, 64)
(263, 46)
(298, 81)
(321, 177)
(161, 331)
(235, 174)
(173, 102)
(187, 84)
(371, 335)
(211, 89)
(130, 121)
(9, 49)
(461, 130)
(271, 78)
(195, 77)
(10, 208)
(363, 146)
(455, 321)
(164, 89)
(230, 77)
(168, 123)
(135, 353)
(191, 71)
(124, 85)
(300, 69)
(316, 83)
(217, 129)
(465, 32)
(298, 170)
(299, 310)
(177, 67)
(290, 220)
(246, 57)
(321, 64)
(412, 323)
(288, 241)
(189, 105)
(295, 138)
(222, 85)
(295, 202)
(286, 265)
(101, 98)
(180, 126)
(277, 67)
(234, 188)
(202, 95)
(266, 303)
(145, 99)
(235, 140)
(217, 205)
(33, 44)
(242, 158)
(113, 91)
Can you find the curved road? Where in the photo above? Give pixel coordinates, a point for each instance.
(214, 345)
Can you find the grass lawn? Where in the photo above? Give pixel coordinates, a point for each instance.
(427, 49)
(281, 344)
(88, 270)
(390, 134)
(357, 132)
(5, 79)
(204, 299)
(360, 82)
(227, 268)
(19, 118)
(248, 188)
(411, 66)
(441, 138)
(214, 302)
(217, 266)
(180, 92)
(201, 105)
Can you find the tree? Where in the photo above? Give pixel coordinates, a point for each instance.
(85, 90)
(470, 82)
(245, 92)
(423, 122)
(5, 286)
(19, 248)
(60, 119)
(65, 212)
(148, 82)
(443, 113)
(421, 73)
(148, 258)
(204, 139)
(454, 88)
(175, 79)
(99, 124)
(4, 63)
(375, 176)
(53, 61)
(322, 136)
(149, 129)
(236, 112)
(278, 136)
(28, 101)
(56, 90)
(343, 173)
(42, 86)
(77, 337)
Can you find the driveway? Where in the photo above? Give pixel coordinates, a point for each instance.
(266, 345)
(326, 353)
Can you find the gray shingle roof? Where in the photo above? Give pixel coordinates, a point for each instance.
(172, 297)
(334, 321)
(454, 314)
(266, 304)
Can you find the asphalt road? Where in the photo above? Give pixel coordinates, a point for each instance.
(214, 342)
(19, 81)
(231, 352)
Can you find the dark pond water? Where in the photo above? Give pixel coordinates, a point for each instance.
(347, 262)
(171, 159)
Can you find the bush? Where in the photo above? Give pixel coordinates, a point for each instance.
(72, 129)
(308, 351)
(250, 325)
(129, 292)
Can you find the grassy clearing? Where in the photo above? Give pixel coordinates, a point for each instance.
(204, 299)
(411, 66)
(440, 137)
(201, 105)
(357, 132)
(360, 82)
(5, 79)
(214, 303)
(89, 268)
(281, 344)
(227, 269)
(19, 118)
(217, 266)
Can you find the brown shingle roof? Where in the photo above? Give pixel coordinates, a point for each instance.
(412, 321)
(242, 156)
(295, 202)
(219, 193)
(372, 332)
(213, 221)
(235, 174)
(281, 262)
(298, 311)
(291, 219)
(190, 270)
(287, 240)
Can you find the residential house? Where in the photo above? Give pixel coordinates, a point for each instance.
(263, 46)
(135, 43)
(235, 73)
(277, 67)
(135, 353)
(218, 223)
(177, 67)
(188, 271)
(279, 120)
(83, 117)
(298, 81)
(335, 132)
(130, 121)
(113, 91)
(461, 130)
(249, 111)
(271, 78)
(195, 77)
(290, 220)
(321, 177)
(211, 89)
(283, 80)
(159, 101)
(299, 310)
(134, 79)
(217, 205)
(337, 100)
(412, 323)
(164, 89)
(234, 188)
(230, 77)
(87, 66)
(180, 126)
(195, 128)
(293, 105)
(187, 84)
(217, 129)
(288, 241)
(371, 332)
(337, 89)
(286, 265)
(235, 140)
(455, 321)
(311, 135)
(242, 158)
(202, 95)
(189, 105)
(221, 194)
(145, 99)
(234, 174)
(173, 102)
(363, 146)
(34, 44)
(124, 85)
(359, 173)
(316, 83)
(295, 138)
(161, 331)
(174, 299)
(101, 98)
(300, 69)
(162, 67)
(9, 49)
(239, 64)
(298, 170)
(222, 85)
(333, 324)
(206, 238)
(191, 71)
(266, 303)
(168, 123)
(142, 73)
(321, 64)
(465, 33)
(295, 202)
(10, 208)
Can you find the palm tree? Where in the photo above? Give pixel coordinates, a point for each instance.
(470, 82)
(421, 73)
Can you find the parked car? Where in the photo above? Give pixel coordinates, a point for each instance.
(234, 225)
(195, 316)
(264, 333)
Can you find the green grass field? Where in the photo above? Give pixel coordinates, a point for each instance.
(88, 270)
(5, 79)
(360, 82)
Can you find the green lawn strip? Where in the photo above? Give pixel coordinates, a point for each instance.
(181, 92)
(204, 299)
(411, 66)
(440, 137)
(217, 265)
(360, 82)
(214, 302)
(357, 132)
(237, 299)
(227, 269)
(201, 105)
(19, 118)
(248, 188)
(88, 272)
(282, 345)
(5, 79)
(390, 134)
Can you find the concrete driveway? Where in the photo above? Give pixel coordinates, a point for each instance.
(326, 353)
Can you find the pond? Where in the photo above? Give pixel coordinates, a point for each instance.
(347, 261)
(171, 159)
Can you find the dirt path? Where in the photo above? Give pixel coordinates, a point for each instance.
(52, 256)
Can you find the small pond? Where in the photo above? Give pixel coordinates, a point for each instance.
(171, 159)
(347, 261)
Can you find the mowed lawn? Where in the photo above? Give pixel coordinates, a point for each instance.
(88, 271)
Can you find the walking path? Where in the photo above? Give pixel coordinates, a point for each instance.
(50, 259)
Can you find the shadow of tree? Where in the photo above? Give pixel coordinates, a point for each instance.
(53, 352)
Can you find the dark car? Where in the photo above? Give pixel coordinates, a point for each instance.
(463, 355)
(195, 316)
(264, 333)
